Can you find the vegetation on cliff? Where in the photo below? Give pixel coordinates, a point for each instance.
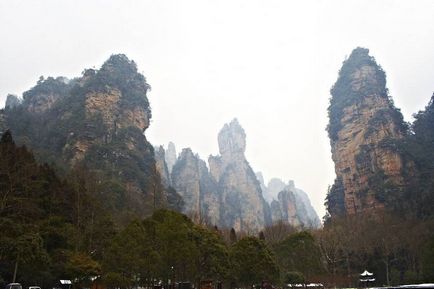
(380, 207)
(96, 121)
(344, 93)
(367, 133)
(418, 199)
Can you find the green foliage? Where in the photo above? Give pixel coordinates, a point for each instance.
(121, 73)
(48, 224)
(213, 258)
(335, 199)
(419, 148)
(294, 277)
(82, 267)
(130, 253)
(299, 252)
(233, 236)
(47, 86)
(253, 262)
(167, 245)
(428, 261)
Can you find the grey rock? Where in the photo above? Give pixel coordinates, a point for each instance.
(12, 101)
(243, 206)
(191, 179)
(161, 166)
(170, 156)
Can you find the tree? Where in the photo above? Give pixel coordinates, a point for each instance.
(299, 252)
(233, 236)
(174, 240)
(294, 277)
(428, 261)
(277, 232)
(213, 259)
(253, 262)
(129, 255)
(38, 214)
(82, 267)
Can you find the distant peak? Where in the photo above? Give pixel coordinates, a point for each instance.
(12, 101)
(187, 151)
(360, 51)
(232, 139)
(119, 60)
(234, 121)
(358, 58)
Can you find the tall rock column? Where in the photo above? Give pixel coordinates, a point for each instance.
(186, 180)
(161, 166)
(243, 207)
(170, 156)
(192, 181)
(363, 128)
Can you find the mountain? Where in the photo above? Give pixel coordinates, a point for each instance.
(290, 204)
(366, 131)
(97, 121)
(243, 206)
(191, 179)
(229, 194)
(12, 101)
(170, 156)
(161, 166)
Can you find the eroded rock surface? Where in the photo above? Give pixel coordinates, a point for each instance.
(96, 121)
(243, 206)
(364, 127)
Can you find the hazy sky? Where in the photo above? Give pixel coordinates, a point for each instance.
(268, 63)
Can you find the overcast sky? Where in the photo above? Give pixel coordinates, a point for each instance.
(268, 63)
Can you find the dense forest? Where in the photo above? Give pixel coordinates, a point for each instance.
(54, 228)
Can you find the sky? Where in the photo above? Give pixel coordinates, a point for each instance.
(268, 63)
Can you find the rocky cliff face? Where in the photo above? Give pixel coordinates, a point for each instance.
(186, 180)
(45, 94)
(170, 156)
(12, 101)
(191, 179)
(307, 214)
(161, 166)
(287, 209)
(291, 204)
(275, 186)
(243, 206)
(230, 195)
(363, 128)
(98, 121)
(261, 181)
